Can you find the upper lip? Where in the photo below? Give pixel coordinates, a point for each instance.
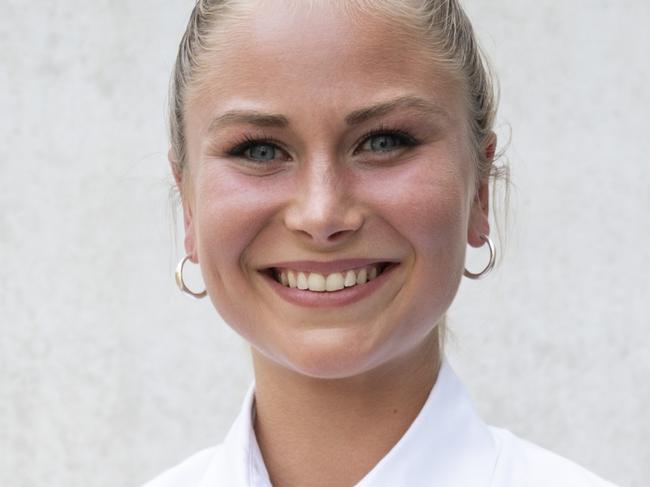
(327, 267)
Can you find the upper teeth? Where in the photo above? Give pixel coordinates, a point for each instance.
(336, 281)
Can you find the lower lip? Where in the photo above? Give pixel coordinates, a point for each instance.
(313, 299)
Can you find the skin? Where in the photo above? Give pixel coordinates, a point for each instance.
(325, 377)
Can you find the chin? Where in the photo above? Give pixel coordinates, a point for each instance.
(333, 354)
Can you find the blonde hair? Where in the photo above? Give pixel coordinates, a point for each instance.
(443, 23)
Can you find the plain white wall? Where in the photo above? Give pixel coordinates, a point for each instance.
(108, 375)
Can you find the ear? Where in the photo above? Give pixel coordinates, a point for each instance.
(180, 177)
(480, 211)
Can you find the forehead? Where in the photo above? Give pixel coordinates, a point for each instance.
(318, 56)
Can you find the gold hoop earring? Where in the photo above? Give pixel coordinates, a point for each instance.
(181, 283)
(488, 268)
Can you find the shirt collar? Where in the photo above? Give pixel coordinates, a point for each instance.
(447, 444)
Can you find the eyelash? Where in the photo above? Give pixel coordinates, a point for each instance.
(248, 141)
(405, 139)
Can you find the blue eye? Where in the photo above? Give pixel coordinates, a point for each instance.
(257, 150)
(384, 140)
(264, 152)
(383, 143)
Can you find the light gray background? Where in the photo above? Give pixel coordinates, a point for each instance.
(108, 375)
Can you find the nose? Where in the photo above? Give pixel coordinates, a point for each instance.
(324, 210)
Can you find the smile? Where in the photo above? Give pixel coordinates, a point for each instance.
(335, 281)
(330, 284)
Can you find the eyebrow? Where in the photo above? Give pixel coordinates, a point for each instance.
(250, 117)
(357, 117)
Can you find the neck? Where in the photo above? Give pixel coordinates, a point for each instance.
(324, 432)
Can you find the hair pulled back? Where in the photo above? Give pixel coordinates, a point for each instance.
(442, 25)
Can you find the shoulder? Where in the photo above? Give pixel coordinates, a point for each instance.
(522, 463)
(188, 473)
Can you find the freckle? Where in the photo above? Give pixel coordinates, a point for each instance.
(394, 411)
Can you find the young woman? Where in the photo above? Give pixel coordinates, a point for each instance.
(334, 160)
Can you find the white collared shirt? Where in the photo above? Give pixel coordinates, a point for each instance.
(447, 445)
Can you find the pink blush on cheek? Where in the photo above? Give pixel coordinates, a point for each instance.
(417, 198)
(232, 211)
(236, 213)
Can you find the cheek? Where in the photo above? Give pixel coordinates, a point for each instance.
(231, 209)
(425, 202)
(427, 206)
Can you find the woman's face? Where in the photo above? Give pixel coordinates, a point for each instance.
(323, 144)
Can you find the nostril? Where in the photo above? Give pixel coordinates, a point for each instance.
(338, 234)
